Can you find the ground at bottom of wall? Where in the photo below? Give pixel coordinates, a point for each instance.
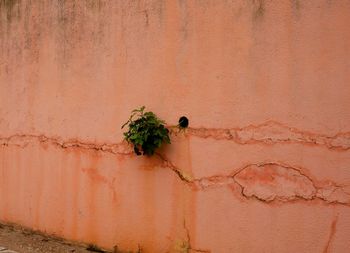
(14, 239)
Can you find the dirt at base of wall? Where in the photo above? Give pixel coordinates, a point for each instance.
(22, 240)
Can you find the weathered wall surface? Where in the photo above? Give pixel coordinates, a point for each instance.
(265, 166)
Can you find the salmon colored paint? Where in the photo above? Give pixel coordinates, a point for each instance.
(264, 165)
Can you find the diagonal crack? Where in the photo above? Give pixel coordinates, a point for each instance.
(268, 182)
(331, 235)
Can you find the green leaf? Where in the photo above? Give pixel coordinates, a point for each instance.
(145, 131)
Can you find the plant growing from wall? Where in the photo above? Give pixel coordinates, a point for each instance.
(146, 132)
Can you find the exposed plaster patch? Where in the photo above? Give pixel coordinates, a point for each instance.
(274, 182)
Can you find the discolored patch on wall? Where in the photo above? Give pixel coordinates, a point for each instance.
(296, 6)
(185, 19)
(95, 5)
(10, 9)
(258, 10)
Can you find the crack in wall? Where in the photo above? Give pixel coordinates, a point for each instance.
(272, 132)
(23, 140)
(266, 182)
(189, 247)
(332, 232)
(269, 182)
(275, 181)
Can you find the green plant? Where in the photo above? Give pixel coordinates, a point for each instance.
(146, 132)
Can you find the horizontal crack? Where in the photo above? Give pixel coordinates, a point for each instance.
(272, 132)
(266, 182)
(23, 140)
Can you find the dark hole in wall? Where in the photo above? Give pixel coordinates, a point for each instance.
(183, 122)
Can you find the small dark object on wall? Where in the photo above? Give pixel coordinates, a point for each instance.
(183, 122)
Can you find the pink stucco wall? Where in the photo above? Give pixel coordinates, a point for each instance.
(265, 166)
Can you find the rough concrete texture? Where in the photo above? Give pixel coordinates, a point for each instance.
(264, 166)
